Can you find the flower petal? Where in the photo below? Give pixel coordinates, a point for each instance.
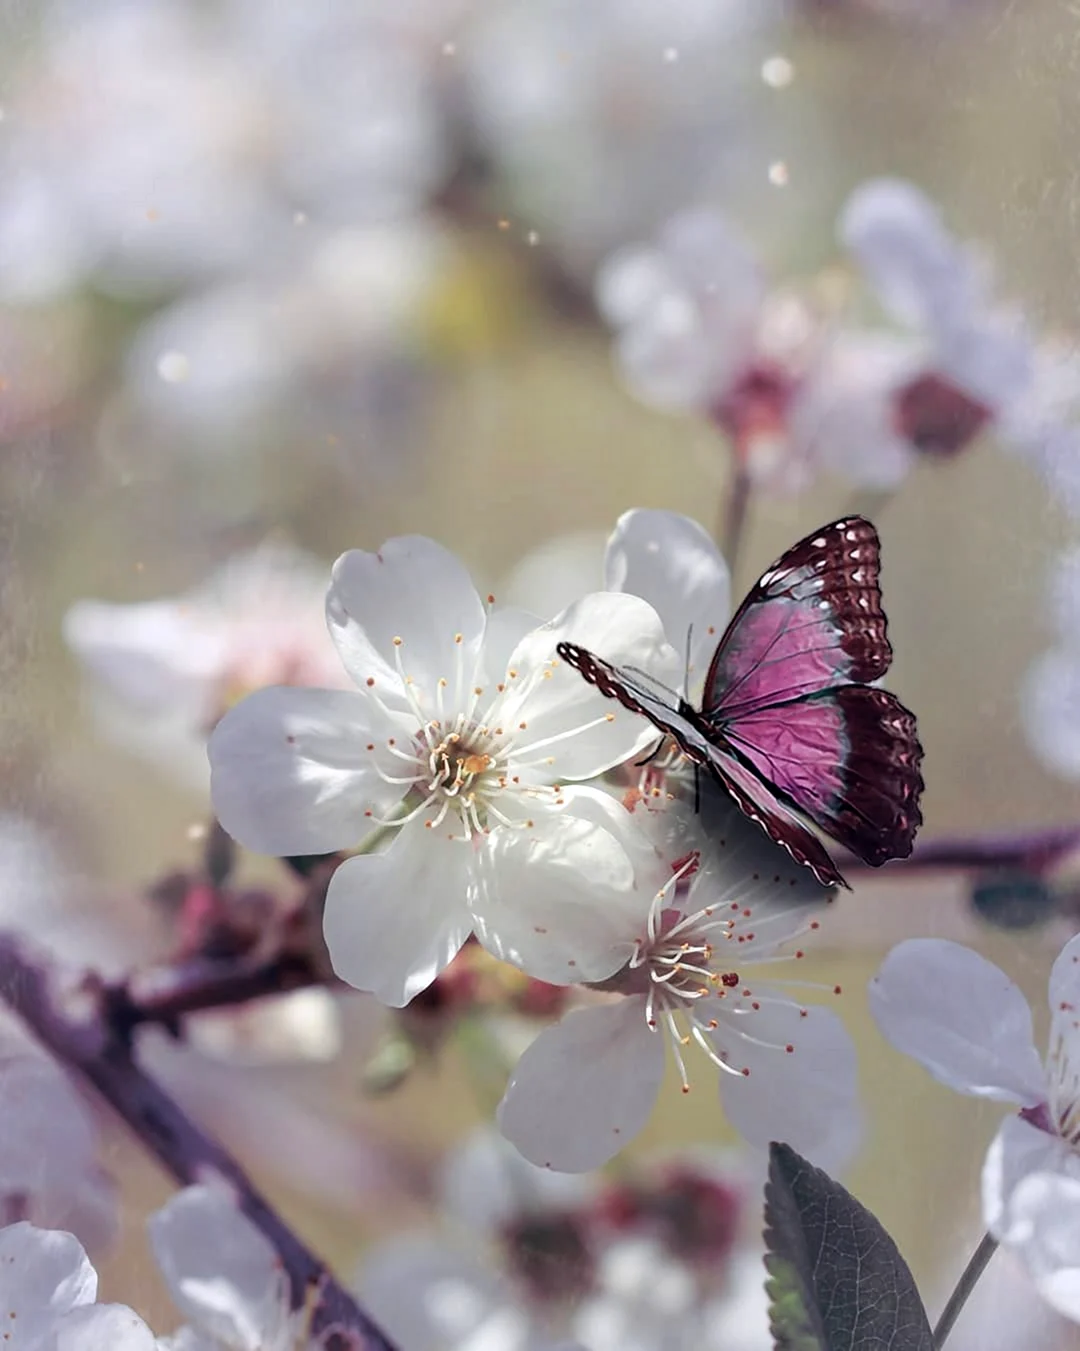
(415, 590)
(486, 1184)
(806, 1096)
(558, 899)
(961, 1018)
(573, 731)
(44, 1274)
(584, 1088)
(909, 257)
(1050, 709)
(395, 919)
(101, 1327)
(428, 1297)
(291, 772)
(1049, 1205)
(152, 656)
(1019, 1150)
(222, 1273)
(671, 561)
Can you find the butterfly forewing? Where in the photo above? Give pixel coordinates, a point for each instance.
(790, 725)
(814, 621)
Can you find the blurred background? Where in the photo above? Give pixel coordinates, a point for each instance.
(318, 272)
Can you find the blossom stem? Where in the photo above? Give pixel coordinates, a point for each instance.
(733, 517)
(964, 1286)
(85, 1043)
(1033, 851)
(166, 994)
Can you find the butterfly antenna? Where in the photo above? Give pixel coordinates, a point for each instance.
(686, 668)
(697, 790)
(638, 764)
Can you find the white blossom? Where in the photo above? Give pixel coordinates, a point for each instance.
(570, 1258)
(223, 1275)
(966, 1022)
(460, 736)
(47, 1293)
(699, 330)
(164, 671)
(712, 900)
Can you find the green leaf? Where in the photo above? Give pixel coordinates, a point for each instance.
(836, 1281)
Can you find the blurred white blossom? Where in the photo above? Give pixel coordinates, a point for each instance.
(165, 671)
(49, 1169)
(600, 118)
(698, 331)
(966, 1022)
(658, 1261)
(152, 143)
(224, 1276)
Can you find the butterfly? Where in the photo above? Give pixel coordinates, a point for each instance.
(789, 723)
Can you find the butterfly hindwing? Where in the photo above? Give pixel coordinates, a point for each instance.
(848, 759)
(814, 621)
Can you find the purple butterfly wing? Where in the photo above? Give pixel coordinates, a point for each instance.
(813, 622)
(847, 758)
(757, 801)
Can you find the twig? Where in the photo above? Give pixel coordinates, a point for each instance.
(82, 1041)
(734, 514)
(166, 994)
(964, 1286)
(1034, 851)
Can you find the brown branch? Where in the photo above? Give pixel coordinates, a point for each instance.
(166, 994)
(1033, 852)
(82, 1041)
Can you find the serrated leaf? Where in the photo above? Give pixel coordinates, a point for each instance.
(836, 1281)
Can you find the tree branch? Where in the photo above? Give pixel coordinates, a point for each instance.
(1033, 851)
(83, 1042)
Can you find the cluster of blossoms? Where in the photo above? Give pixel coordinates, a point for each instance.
(799, 390)
(483, 789)
(970, 1026)
(660, 1257)
(223, 1275)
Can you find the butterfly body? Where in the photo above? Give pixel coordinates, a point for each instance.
(789, 723)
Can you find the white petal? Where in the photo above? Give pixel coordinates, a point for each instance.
(299, 1025)
(555, 573)
(485, 1184)
(1045, 1232)
(49, 1137)
(102, 1327)
(806, 1097)
(44, 1273)
(1063, 1063)
(1050, 710)
(630, 282)
(395, 919)
(1018, 1151)
(909, 257)
(222, 1273)
(584, 1088)
(665, 356)
(559, 899)
(560, 710)
(292, 772)
(427, 1296)
(415, 590)
(505, 629)
(961, 1018)
(671, 561)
